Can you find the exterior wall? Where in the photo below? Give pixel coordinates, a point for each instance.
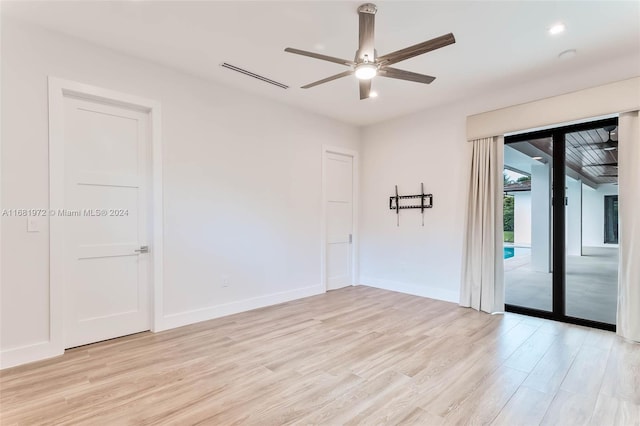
(522, 218)
(540, 218)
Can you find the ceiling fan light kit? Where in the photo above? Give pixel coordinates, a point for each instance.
(368, 65)
(366, 71)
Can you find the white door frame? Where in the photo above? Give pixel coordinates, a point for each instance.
(58, 89)
(328, 149)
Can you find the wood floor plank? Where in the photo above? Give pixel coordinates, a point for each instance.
(527, 356)
(622, 376)
(420, 417)
(548, 374)
(569, 409)
(321, 395)
(615, 412)
(442, 392)
(587, 371)
(358, 355)
(485, 402)
(526, 408)
(348, 406)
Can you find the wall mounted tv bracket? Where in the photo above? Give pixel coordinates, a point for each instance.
(400, 202)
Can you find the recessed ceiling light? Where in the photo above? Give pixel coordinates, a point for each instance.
(567, 54)
(557, 28)
(373, 94)
(536, 158)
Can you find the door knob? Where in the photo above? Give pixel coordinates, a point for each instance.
(142, 249)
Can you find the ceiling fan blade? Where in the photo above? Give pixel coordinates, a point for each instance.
(604, 146)
(367, 16)
(365, 88)
(321, 57)
(417, 49)
(325, 80)
(405, 75)
(607, 142)
(601, 165)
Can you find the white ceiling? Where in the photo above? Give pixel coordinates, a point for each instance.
(499, 43)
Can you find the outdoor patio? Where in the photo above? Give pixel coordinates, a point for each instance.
(591, 284)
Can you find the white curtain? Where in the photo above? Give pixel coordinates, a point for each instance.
(628, 321)
(482, 286)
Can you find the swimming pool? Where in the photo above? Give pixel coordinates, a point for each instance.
(515, 251)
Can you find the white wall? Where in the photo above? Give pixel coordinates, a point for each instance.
(242, 185)
(593, 214)
(522, 218)
(405, 152)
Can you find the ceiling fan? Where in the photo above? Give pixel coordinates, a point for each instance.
(367, 64)
(608, 145)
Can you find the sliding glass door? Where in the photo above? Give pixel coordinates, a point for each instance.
(527, 224)
(591, 258)
(560, 223)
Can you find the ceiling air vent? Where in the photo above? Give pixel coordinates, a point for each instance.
(254, 75)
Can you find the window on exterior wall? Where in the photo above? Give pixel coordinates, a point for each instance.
(611, 219)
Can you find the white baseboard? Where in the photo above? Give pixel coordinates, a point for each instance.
(43, 350)
(29, 353)
(197, 315)
(415, 289)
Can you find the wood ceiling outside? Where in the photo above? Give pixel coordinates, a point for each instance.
(585, 154)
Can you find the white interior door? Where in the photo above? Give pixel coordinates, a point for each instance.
(339, 210)
(106, 150)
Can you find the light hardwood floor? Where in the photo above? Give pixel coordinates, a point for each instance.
(353, 356)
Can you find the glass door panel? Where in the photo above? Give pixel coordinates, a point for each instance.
(591, 224)
(527, 224)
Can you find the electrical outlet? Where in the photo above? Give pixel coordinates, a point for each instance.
(225, 281)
